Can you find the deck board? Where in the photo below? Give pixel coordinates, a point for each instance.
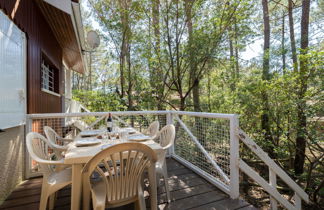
(224, 204)
(188, 191)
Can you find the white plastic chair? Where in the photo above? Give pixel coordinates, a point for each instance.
(165, 138)
(53, 138)
(118, 173)
(153, 129)
(37, 146)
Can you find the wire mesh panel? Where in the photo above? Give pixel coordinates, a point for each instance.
(65, 127)
(140, 122)
(213, 135)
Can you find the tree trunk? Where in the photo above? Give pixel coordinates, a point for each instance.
(156, 68)
(193, 66)
(283, 50)
(292, 35)
(124, 13)
(156, 22)
(302, 82)
(232, 59)
(90, 71)
(265, 121)
(182, 103)
(236, 49)
(195, 96)
(209, 91)
(130, 82)
(122, 65)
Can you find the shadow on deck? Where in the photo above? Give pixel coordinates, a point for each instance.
(188, 191)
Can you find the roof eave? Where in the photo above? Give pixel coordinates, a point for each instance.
(72, 12)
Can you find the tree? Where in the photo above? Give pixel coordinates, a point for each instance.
(292, 34)
(157, 82)
(302, 83)
(194, 80)
(265, 120)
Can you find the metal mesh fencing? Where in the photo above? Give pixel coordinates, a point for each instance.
(140, 122)
(213, 134)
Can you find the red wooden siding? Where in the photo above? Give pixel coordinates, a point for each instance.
(40, 39)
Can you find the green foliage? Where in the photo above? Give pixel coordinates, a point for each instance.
(97, 101)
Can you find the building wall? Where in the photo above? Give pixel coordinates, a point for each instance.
(40, 39)
(12, 161)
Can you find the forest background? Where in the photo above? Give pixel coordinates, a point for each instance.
(193, 55)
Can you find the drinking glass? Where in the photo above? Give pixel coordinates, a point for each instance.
(123, 135)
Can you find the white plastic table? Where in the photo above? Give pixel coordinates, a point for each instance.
(78, 156)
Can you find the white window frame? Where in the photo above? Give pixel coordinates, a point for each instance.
(47, 79)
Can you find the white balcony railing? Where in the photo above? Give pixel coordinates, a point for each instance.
(207, 143)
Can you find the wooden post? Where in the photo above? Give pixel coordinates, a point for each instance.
(234, 158)
(273, 183)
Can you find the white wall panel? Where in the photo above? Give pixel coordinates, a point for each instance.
(12, 74)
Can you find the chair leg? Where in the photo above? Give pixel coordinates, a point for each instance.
(140, 203)
(166, 184)
(97, 205)
(158, 179)
(51, 201)
(44, 197)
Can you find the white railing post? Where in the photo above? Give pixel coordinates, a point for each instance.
(169, 121)
(234, 158)
(273, 183)
(298, 203)
(29, 128)
(29, 124)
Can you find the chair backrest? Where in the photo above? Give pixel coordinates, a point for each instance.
(165, 136)
(52, 137)
(120, 167)
(153, 129)
(37, 146)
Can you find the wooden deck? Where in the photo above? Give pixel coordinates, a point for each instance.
(188, 191)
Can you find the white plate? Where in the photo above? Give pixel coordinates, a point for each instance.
(129, 130)
(138, 138)
(87, 142)
(91, 132)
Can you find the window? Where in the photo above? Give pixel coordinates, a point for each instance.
(49, 74)
(47, 77)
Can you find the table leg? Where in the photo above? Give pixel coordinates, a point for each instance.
(85, 193)
(76, 186)
(153, 189)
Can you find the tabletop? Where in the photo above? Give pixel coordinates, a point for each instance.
(78, 155)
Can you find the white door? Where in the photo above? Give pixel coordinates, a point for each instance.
(12, 74)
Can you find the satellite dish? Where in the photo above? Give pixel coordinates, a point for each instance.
(93, 39)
